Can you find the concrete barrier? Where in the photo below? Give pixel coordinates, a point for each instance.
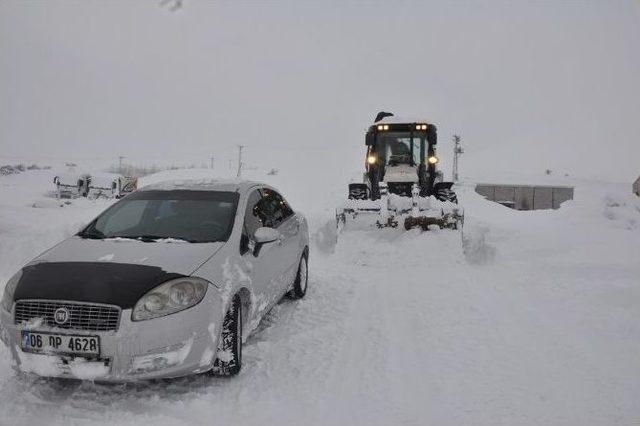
(526, 197)
(560, 195)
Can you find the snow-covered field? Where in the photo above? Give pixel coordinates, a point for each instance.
(527, 318)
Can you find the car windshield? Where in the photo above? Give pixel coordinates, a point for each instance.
(396, 148)
(193, 216)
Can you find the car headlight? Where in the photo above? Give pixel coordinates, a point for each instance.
(9, 290)
(169, 298)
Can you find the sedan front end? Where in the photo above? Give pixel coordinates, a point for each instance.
(162, 284)
(103, 342)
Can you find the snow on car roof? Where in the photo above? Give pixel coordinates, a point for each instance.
(204, 184)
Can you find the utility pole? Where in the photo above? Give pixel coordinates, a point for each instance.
(457, 151)
(120, 158)
(212, 158)
(240, 147)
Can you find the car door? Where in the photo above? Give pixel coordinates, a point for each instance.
(286, 222)
(263, 260)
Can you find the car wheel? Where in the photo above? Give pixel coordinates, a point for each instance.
(229, 357)
(302, 279)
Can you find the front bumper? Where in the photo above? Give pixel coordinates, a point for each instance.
(172, 346)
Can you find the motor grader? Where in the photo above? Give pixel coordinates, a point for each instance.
(401, 181)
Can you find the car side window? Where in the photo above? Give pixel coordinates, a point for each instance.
(274, 208)
(286, 209)
(283, 206)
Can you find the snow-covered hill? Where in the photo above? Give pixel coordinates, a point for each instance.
(525, 318)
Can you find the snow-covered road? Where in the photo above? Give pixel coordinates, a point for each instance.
(532, 318)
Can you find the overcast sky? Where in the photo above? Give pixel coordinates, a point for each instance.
(529, 85)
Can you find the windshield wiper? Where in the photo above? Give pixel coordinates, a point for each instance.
(93, 234)
(152, 238)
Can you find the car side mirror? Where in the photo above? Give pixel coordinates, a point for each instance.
(265, 235)
(262, 236)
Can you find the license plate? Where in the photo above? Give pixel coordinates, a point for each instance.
(51, 343)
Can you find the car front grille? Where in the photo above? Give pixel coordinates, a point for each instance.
(82, 316)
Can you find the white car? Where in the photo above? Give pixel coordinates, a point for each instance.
(166, 282)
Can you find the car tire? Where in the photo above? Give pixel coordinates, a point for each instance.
(229, 356)
(302, 278)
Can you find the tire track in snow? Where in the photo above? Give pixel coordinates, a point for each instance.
(384, 350)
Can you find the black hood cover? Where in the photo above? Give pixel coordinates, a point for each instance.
(120, 284)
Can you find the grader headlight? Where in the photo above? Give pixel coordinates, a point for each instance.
(433, 159)
(372, 159)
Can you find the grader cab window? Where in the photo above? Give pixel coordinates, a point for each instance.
(397, 148)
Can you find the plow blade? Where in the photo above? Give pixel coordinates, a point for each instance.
(449, 221)
(365, 214)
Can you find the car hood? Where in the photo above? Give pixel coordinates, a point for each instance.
(177, 256)
(115, 272)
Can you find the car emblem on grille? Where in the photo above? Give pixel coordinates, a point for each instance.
(61, 316)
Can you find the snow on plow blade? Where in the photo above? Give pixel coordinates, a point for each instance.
(392, 210)
(451, 221)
